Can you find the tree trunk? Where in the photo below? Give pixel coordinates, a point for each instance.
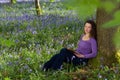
(13, 1)
(38, 8)
(106, 46)
(107, 50)
(105, 38)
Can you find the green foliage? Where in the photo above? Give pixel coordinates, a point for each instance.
(84, 8)
(117, 38)
(108, 6)
(7, 79)
(13, 1)
(52, 0)
(114, 22)
(118, 56)
(6, 42)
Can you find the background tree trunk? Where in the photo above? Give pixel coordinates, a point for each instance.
(13, 1)
(38, 8)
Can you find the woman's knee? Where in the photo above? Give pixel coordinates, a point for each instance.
(63, 50)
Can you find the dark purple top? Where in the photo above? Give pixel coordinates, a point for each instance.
(87, 47)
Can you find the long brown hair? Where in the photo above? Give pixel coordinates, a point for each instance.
(93, 32)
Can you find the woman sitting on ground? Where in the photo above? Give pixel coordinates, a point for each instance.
(87, 48)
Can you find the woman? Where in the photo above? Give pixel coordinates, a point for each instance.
(87, 48)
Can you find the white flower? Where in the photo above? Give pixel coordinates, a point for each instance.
(99, 76)
(106, 79)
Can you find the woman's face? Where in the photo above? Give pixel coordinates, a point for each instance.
(87, 28)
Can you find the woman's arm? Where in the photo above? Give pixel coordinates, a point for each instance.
(94, 49)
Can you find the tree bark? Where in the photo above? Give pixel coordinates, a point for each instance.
(105, 37)
(38, 8)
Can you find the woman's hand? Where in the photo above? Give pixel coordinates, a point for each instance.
(79, 55)
(76, 53)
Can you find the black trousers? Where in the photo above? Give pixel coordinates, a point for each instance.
(64, 56)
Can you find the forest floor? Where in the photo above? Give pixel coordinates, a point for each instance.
(27, 41)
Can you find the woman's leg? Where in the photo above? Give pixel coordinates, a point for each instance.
(57, 60)
(67, 54)
(79, 61)
(48, 64)
(64, 56)
(71, 58)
